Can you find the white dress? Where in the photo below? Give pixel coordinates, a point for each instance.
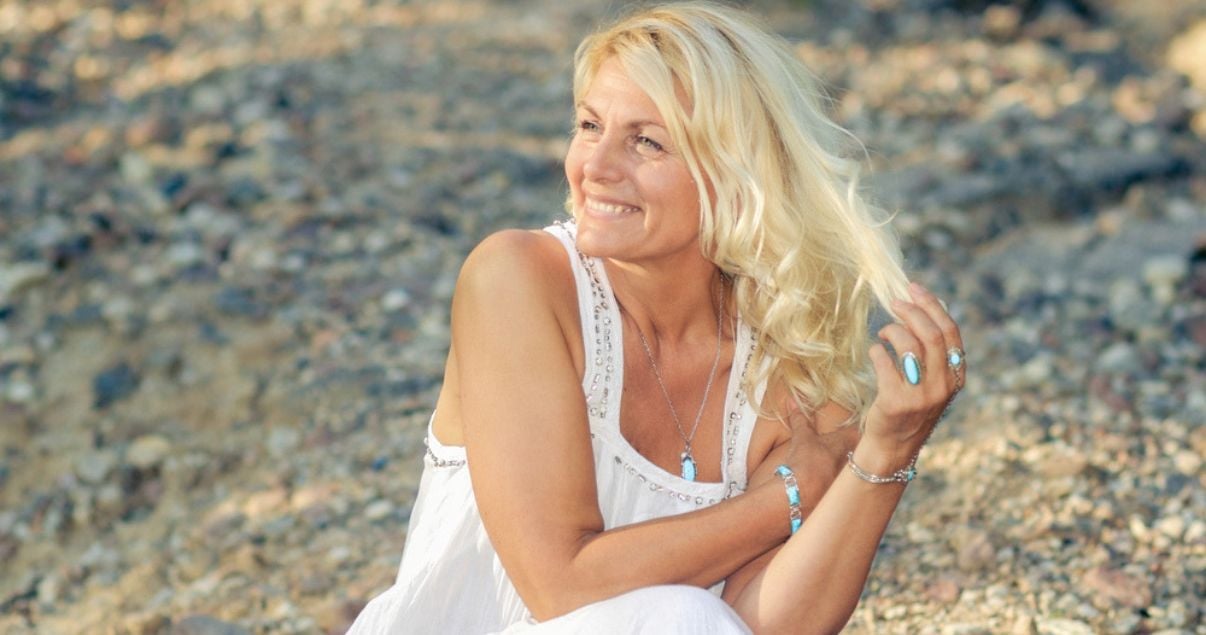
(450, 579)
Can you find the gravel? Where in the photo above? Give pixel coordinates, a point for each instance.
(231, 232)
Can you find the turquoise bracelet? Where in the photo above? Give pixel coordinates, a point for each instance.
(793, 496)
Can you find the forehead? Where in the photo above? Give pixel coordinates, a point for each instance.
(613, 90)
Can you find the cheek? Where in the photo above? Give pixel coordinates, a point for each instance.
(573, 166)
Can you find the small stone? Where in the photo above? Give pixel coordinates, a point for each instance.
(1128, 306)
(1172, 526)
(919, 533)
(95, 466)
(1024, 626)
(282, 441)
(183, 255)
(1138, 528)
(205, 625)
(395, 299)
(314, 584)
(20, 276)
(966, 629)
(1162, 275)
(944, 590)
(378, 510)
(339, 555)
(975, 551)
(1061, 461)
(1119, 357)
(148, 451)
(1121, 587)
(264, 503)
(146, 623)
(135, 169)
(1001, 22)
(48, 589)
(20, 392)
(1064, 627)
(113, 384)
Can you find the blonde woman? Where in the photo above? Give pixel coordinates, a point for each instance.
(664, 416)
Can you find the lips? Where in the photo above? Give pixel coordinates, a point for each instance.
(604, 208)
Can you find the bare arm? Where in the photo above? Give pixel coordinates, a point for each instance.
(812, 584)
(527, 439)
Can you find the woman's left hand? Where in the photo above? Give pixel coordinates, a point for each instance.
(915, 389)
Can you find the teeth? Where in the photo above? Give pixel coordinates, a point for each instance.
(607, 208)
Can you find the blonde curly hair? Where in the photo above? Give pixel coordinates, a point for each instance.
(780, 208)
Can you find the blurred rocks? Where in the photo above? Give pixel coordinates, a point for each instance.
(230, 237)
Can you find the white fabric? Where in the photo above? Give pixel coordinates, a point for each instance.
(450, 579)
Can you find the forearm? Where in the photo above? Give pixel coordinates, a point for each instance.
(699, 548)
(813, 583)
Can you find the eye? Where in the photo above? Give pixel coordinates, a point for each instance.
(586, 125)
(650, 144)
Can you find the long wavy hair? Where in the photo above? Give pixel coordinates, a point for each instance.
(780, 208)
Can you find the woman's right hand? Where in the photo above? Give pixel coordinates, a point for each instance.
(904, 414)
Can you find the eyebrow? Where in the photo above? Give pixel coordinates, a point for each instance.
(632, 124)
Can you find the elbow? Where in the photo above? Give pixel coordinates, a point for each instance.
(556, 589)
(555, 598)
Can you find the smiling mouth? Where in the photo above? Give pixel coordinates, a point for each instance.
(609, 209)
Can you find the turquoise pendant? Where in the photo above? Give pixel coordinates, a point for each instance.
(688, 466)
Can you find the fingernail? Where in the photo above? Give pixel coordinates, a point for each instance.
(916, 287)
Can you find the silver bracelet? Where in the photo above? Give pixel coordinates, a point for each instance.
(903, 475)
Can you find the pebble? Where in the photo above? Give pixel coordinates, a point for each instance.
(205, 625)
(17, 277)
(975, 551)
(1162, 274)
(1119, 357)
(966, 629)
(378, 510)
(1064, 627)
(395, 299)
(1171, 526)
(114, 384)
(1119, 586)
(148, 451)
(94, 467)
(20, 392)
(234, 291)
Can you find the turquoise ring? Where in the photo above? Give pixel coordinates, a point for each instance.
(954, 358)
(911, 367)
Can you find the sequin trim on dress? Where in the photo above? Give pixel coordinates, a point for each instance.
(440, 462)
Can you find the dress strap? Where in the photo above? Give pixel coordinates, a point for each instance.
(595, 311)
(741, 416)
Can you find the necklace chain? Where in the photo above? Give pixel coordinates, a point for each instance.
(687, 438)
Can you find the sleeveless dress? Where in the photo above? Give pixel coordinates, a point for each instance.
(450, 579)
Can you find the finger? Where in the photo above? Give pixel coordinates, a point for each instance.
(887, 376)
(933, 307)
(923, 328)
(904, 343)
(937, 311)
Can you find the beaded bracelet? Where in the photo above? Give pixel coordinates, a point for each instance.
(903, 475)
(793, 496)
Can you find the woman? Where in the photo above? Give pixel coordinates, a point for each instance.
(645, 402)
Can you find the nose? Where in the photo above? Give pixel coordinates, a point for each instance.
(603, 160)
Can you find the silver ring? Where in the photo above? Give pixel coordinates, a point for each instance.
(911, 367)
(955, 357)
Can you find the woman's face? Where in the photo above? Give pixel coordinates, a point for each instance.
(632, 195)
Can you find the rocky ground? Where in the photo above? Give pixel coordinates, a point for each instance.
(230, 229)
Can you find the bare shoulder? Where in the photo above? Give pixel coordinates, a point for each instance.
(514, 258)
(518, 280)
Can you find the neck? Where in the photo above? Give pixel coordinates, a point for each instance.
(672, 308)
